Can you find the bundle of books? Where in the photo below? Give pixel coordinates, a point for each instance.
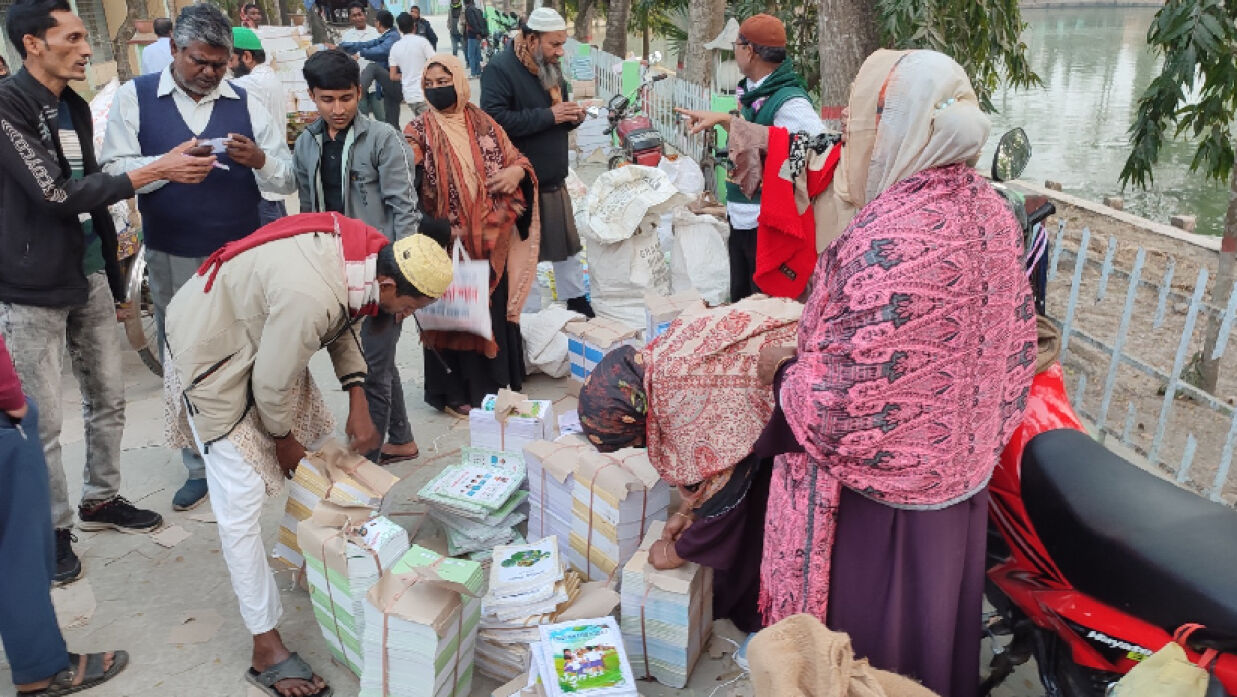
(589, 341)
(421, 627)
(660, 311)
(667, 615)
(332, 474)
(478, 502)
(551, 481)
(616, 498)
(508, 421)
(528, 587)
(583, 658)
(346, 553)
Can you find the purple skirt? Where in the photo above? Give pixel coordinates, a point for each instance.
(907, 586)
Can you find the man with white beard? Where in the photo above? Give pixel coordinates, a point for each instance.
(523, 90)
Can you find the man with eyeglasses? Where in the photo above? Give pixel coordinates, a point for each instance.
(183, 224)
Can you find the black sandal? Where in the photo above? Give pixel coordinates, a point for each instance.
(291, 668)
(69, 681)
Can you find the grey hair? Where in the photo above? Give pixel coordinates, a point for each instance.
(202, 22)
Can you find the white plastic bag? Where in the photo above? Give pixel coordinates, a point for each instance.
(545, 342)
(465, 306)
(701, 260)
(684, 173)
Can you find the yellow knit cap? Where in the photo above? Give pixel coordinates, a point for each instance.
(425, 264)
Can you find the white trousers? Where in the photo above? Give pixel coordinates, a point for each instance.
(568, 281)
(237, 494)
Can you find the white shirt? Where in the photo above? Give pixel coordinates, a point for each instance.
(410, 54)
(264, 85)
(122, 153)
(157, 56)
(354, 35)
(796, 115)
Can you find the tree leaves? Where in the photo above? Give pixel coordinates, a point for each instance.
(1195, 92)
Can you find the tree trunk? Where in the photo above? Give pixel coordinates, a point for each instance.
(705, 21)
(134, 10)
(847, 35)
(1223, 286)
(616, 28)
(584, 21)
(647, 47)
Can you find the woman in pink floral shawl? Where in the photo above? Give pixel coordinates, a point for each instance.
(914, 359)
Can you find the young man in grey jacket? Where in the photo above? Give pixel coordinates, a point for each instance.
(349, 163)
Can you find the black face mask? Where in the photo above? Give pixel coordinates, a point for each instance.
(441, 98)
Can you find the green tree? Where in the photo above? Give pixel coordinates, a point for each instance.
(662, 18)
(1195, 94)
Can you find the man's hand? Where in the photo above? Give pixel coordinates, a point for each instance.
(244, 151)
(362, 436)
(289, 452)
(567, 112)
(700, 120)
(772, 358)
(507, 181)
(176, 166)
(20, 413)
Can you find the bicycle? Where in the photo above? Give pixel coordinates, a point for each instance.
(137, 313)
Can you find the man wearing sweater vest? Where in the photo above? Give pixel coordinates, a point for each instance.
(770, 94)
(182, 225)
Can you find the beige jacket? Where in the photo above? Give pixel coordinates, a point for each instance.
(249, 340)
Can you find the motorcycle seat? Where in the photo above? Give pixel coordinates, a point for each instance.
(1128, 538)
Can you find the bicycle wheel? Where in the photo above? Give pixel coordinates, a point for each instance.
(140, 327)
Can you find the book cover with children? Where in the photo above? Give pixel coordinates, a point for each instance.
(587, 658)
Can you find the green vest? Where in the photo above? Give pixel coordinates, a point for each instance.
(764, 117)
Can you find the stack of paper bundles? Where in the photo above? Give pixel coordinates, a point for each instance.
(421, 627)
(617, 496)
(660, 311)
(584, 658)
(346, 553)
(551, 481)
(667, 615)
(589, 341)
(478, 502)
(508, 421)
(332, 474)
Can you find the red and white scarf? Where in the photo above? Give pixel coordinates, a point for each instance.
(359, 245)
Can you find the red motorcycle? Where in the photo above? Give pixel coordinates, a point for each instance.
(1094, 563)
(639, 141)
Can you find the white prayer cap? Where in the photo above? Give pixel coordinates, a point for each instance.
(546, 19)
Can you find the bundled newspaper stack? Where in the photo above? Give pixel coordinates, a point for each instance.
(478, 502)
(667, 615)
(583, 658)
(616, 498)
(508, 421)
(421, 627)
(332, 474)
(528, 587)
(551, 481)
(346, 553)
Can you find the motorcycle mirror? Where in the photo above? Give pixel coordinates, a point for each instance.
(1012, 155)
(655, 58)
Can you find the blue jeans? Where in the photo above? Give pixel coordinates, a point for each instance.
(32, 640)
(472, 54)
(456, 42)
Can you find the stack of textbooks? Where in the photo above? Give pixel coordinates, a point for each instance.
(616, 498)
(528, 587)
(342, 563)
(421, 627)
(667, 615)
(583, 658)
(510, 423)
(551, 481)
(478, 502)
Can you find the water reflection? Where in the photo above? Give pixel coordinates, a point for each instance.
(1095, 66)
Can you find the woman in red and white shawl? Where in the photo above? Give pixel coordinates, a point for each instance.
(485, 189)
(914, 359)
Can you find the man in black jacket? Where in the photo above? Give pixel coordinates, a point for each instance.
(422, 27)
(476, 29)
(58, 268)
(522, 89)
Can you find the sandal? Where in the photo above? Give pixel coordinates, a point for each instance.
(291, 668)
(392, 458)
(460, 411)
(69, 680)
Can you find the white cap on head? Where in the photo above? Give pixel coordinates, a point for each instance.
(546, 19)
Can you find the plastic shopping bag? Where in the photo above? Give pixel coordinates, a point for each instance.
(465, 307)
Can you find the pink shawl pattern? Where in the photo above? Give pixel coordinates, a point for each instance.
(915, 358)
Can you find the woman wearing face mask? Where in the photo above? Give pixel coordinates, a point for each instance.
(471, 176)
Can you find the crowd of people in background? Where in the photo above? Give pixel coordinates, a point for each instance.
(199, 138)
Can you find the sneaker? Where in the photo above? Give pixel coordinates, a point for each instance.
(581, 305)
(117, 514)
(190, 496)
(68, 566)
